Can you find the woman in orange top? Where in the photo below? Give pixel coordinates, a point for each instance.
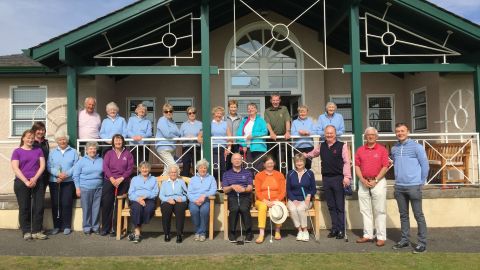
(270, 186)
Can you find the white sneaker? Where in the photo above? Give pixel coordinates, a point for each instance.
(300, 236)
(306, 236)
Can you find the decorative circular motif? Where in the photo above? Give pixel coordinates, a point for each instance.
(389, 39)
(282, 29)
(169, 40)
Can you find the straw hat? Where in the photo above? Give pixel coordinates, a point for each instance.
(278, 212)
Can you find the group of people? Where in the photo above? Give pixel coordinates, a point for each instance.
(98, 179)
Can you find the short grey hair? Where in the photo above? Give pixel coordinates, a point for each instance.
(331, 126)
(91, 144)
(171, 166)
(61, 134)
(202, 162)
(141, 106)
(330, 103)
(145, 164)
(90, 98)
(112, 105)
(371, 128)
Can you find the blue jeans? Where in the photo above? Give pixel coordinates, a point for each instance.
(90, 201)
(413, 195)
(200, 215)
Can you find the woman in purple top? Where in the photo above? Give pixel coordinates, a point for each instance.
(117, 168)
(28, 164)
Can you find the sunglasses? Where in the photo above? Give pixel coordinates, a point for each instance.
(171, 111)
(191, 113)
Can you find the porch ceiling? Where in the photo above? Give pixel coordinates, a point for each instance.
(418, 16)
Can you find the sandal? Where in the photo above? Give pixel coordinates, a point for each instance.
(260, 239)
(278, 236)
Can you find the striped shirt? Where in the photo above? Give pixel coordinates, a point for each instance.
(243, 177)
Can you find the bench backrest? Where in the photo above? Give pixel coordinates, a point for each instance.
(456, 152)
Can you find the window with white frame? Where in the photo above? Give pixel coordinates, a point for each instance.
(419, 109)
(381, 112)
(28, 105)
(344, 107)
(180, 106)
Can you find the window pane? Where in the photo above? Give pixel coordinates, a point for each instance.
(420, 123)
(29, 95)
(382, 126)
(380, 114)
(420, 110)
(20, 112)
(19, 127)
(379, 102)
(419, 97)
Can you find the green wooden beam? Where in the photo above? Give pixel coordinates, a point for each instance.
(356, 77)
(72, 116)
(26, 70)
(145, 70)
(456, 23)
(205, 68)
(66, 56)
(98, 27)
(476, 92)
(412, 68)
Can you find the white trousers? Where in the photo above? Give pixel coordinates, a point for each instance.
(166, 156)
(373, 206)
(299, 213)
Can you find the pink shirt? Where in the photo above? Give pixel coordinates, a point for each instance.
(347, 174)
(88, 125)
(371, 160)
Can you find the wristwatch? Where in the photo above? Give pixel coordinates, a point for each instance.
(376, 180)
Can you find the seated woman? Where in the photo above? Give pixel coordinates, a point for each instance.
(173, 200)
(88, 178)
(142, 194)
(269, 187)
(301, 190)
(60, 165)
(201, 186)
(111, 125)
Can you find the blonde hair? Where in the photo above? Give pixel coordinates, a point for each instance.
(218, 108)
(167, 106)
(302, 107)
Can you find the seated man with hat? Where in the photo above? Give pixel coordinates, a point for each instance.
(270, 190)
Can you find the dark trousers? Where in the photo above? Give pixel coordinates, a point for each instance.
(251, 157)
(235, 149)
(108, 199)
(239, 206)
(308, 161)
(30, 205)
(189, 158)
(281, 152)
(334, 195)
(142, 214)
(62, 203)
(140, 153)
(406, 195)
(179, 210)
(218, 160)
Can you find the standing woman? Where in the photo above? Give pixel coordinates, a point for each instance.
(88, 176)
(28, 164)
(117, 168)
(192, 128)
(173, 197)
(330, 118)
(269, 187)
(200, 188)
(142, 194)
(301, 191)
(111, 125)
(303, 126)
(166, 129)
(41, 142)
(60, 165)
(139, 127)
(220, 129)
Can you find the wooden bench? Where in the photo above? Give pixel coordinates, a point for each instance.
(312, 212)
(449, 156)
(123, 210)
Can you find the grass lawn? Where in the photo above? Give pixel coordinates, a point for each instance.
(357, 261)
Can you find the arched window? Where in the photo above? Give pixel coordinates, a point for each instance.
(263, 60)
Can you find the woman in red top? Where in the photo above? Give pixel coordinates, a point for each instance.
(270, 186)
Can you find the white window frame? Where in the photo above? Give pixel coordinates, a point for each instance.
(331, 97)
(412, 114)
(392, 97)
(14, 87)
(154, 99)
(261, 108)
(192, 102)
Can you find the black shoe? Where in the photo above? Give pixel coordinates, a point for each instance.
(232, 238)
(419, 249)
(167, 238)
(131, 236)
(249, 238)
(103, 233)
(400, 245)
(136, 239)
(332, 234)
(179, 239)
(96, 232)
(340, 235)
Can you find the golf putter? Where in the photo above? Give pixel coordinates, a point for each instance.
(114, 204)
(311, 222)
(58, 195)
(345, 217)
(242, 241)
(31, 214)
(271, 225)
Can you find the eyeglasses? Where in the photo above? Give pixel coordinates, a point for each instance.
(191, 113)
(171, 111)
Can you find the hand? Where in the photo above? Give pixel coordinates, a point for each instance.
(141, 201)
(112, 180)
(249, 137)
(171, 201)
(33, 182)
(273, 136)
(59, 180)
(287, 135)
(307, 201)
(137, 138)
(62, 176)
(237, 188)
(178, 199)
(296, 203)
(346, 182)
(201, 199)
(77, 191)
(269, 203)
(27, 184)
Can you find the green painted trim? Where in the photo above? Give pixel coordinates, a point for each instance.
(413, 68)
(356, 77)
(476, 93)
(427, 9)
(23, 70)
(144, 70)
(98, 27)
(72, 120)
(205, 59)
